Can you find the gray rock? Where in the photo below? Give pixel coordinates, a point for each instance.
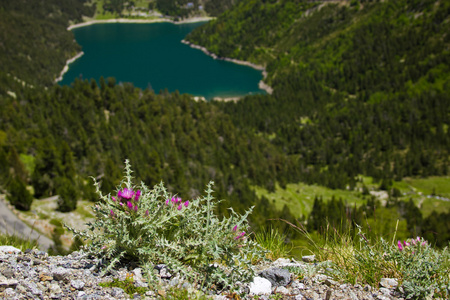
(7, 283)
(281, 262)
(320, 278)
(33, 288)
(309, 258)
(385, 291)
(276, 276)
(260, 286)
(330, 282)
(60, 274)
(54, 288)
(282, 290)
(389, 283)
(77, 284)
(9, 293)
(137, 274)
(117, 292)
(298, 285)
(8, 272)
(353, 296)
(164, 273)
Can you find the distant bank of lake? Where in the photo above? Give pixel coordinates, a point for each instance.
(152, 56)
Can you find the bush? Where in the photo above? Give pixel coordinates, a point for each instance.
(68, 195)
(152, 227)
(19, 196)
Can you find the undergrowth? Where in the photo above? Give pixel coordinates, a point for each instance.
(421, 270)
(151, 226)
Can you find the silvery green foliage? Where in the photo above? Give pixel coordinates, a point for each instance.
(425, 270)
(150, 226)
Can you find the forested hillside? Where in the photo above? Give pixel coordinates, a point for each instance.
(359, 89)
(184, 8)
(34, 41)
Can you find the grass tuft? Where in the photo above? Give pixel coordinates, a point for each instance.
(274, 242)
(18, 242)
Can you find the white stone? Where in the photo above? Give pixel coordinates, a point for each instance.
(260, 286)
(281, 262)
(389, 283)
(282, 290)
(9, 249)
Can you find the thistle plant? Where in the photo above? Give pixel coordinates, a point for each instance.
(151, 226)
(425, 270)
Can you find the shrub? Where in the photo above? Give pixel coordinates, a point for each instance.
(274, 242)
(151, 226)
(19, 196)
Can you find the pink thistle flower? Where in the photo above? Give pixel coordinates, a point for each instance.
(167, 201)
(406, 243)
(121, 204)
(174, 200)
(235, 228)
(186, 204)
(178, 199)
(137, 195)
(240, 235)
(424, 243)
(135, 208)
(127, 193)
(400, 247)
(111, 213)
(104, 247)
(113, 198)
(146, 213)
(180, 207)
(129, 205)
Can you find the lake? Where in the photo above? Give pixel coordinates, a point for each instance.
(152, 56)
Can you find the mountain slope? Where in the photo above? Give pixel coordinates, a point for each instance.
(359, 88)
(34, 41)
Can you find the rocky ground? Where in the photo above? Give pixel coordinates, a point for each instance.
(35, 275)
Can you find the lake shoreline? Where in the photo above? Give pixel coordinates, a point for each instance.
(139, 21)
(262, 85)
(66, 67)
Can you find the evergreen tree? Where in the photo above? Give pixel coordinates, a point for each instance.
(19, 196)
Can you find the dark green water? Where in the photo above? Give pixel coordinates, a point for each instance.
(152, 55)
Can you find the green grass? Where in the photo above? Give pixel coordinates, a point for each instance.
(274, 242)
(421, 270)
(18, 242)
(101, 14)
(299, 197)
(438, 185)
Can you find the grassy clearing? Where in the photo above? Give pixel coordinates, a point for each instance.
(299, 197)
(439, 186)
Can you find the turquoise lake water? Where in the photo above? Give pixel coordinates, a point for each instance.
(152, 56)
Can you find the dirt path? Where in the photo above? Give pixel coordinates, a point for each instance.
(11, 224)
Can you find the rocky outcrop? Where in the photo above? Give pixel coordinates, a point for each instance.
(35, 275)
